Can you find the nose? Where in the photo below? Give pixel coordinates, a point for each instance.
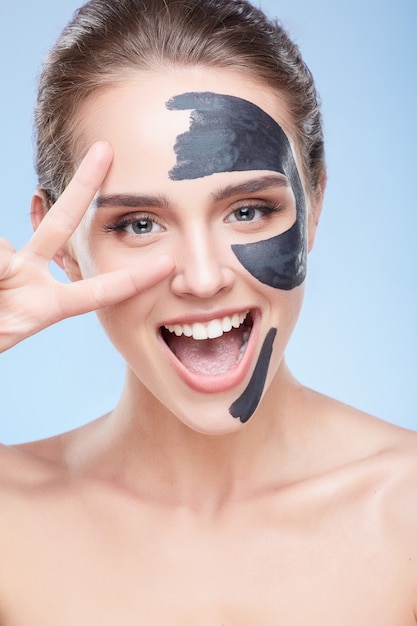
(202, 268)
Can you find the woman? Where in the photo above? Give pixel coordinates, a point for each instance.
(181, 177)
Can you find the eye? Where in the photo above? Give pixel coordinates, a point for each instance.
(136, 225)
(249, 213)
(142, 226)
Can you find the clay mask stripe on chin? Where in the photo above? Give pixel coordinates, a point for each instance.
(245, 406)
(229, 134)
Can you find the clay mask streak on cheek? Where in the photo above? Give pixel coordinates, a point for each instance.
(229, 134)
(246, 405)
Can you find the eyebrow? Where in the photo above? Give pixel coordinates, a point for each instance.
(132, 201)
(262, 183)
(129, 200)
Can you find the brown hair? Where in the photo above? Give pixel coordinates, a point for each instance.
(108, 37)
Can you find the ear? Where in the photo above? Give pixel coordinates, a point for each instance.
(316, 205)
(65, 257)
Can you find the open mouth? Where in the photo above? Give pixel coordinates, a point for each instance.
(212, 348)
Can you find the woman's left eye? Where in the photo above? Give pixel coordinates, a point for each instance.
(248, 213)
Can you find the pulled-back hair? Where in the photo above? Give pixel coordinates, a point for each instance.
(107, 38)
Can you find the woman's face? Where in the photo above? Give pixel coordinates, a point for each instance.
(205, 170)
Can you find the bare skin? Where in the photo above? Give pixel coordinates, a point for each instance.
(158, 514)
(95, 530)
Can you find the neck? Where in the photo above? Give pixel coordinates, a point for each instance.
(150, 451)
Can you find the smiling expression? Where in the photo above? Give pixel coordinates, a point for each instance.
(212, 335)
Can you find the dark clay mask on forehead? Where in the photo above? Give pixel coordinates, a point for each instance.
(229, 134)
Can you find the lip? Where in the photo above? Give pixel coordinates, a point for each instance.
(218, 383)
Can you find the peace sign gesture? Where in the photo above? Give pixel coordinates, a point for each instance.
(30, 297)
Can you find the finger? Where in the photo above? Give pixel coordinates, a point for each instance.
(108, 289)
(67, 212)
(6, 255)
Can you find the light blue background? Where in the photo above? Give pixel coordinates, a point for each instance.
(356, 339)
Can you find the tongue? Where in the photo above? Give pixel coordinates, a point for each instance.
(207, 356)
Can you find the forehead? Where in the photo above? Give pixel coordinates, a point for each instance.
(230, 133)
(148, 119)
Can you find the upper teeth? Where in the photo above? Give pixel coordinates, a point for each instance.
(210, 330)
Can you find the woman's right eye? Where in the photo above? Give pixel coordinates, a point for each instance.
(142, 226)
(136, 225)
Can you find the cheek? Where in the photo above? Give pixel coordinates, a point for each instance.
(285, 308)
(279, 262)
(84, 252)
(128, 328)
(115, 321)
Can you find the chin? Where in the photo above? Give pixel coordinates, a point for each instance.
(215, 424)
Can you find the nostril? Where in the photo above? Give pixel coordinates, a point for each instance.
(201, 281)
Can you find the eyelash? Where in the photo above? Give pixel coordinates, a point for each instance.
(265, 209)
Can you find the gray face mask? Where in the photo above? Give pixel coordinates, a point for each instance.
(229, 134)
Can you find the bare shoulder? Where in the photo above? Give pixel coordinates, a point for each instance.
(399, 462)
(30, 475)
(27, 478)
(20, 468)
(38, 480)
(30, 464)
(380, 458)
(397, 500)
(369, 468)
(38, 463)
(361, 435)
(368, 451)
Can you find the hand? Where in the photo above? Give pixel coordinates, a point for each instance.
(30, 297)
